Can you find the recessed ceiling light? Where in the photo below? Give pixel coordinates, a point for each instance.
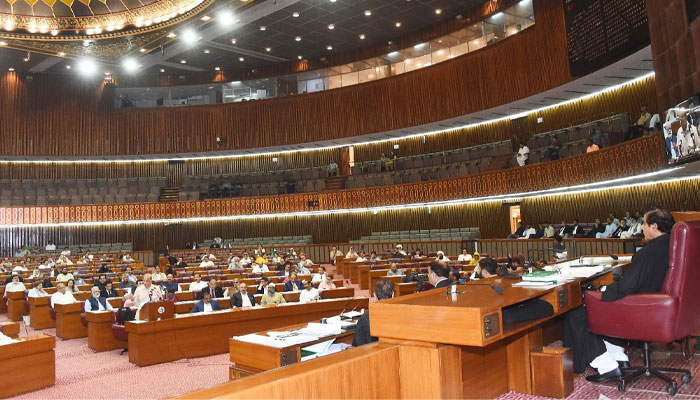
(206, 51)
(183, 61)
(142, 50)
(241, 59)
(333, 1)
(331, 26)
(263, 27)
(268, 49)
(26, 59)
(171, 35)
(189, 36)
(329, 47)
(233, 41)
(398, 24)
(2, 43)
(162, 70)
(368, 13)
(205, 18)
(362, 36)
(438, 11)
(295, 14)
(217, 69)
(298, 38)
(299, 57)
(11, 69)
(61, 54)
(67, 66)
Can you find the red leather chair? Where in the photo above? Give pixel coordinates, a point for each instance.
(119, 330)
(670, 315)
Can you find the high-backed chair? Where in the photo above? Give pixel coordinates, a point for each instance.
(670, 315)
(118, 330)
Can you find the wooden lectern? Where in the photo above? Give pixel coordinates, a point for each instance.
(157, 310)
(40, 313)
(17, 305)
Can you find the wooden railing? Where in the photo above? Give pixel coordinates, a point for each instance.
(643, 155)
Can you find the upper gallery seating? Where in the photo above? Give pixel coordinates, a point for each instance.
(43, 192)
(93, 248)
(414, 168)
(265, 241)
(574, 139)
(423, 235)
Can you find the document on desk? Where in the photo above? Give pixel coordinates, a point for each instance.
(535, 285)
(276, 342)
(321, 330)
(581, 272)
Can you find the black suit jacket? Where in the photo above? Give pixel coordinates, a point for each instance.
(108, 294)
(237, 299)
(218, 292)
(361, 335)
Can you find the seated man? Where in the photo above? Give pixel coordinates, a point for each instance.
(309, 293)
(206, 262)
(487, 268)
(610, 228)
(551, 153)
(96, 302)
(261, 288)
(518, 232)
(320, 276)
(576, 230)
(215, 291)
(620, 229)
(334, 253)
(259, 268)
(198, 284)
(242, 298)
(171, 284)
(393, 271)
(62, 296)
(529, 233)
(109, 291)
(157, 275)
(465, 256)
(206, 305)
(560, 252)
(441, 256)
(64, 276)
(598, 227)
(438, 274)
(332, 169)
(14, 285)
(293, 284)
(646, 274)
(101, 282)
(548, 230)
(522, 155)
(383, 289)
(351, 254)
(272, 297)
(37, 290)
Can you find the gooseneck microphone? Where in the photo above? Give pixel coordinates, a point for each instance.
(496, 288)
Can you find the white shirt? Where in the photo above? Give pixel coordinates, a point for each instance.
(198, 286)
(318, 278)
(523, 154)
(207, 307)
(34, 292)
(127, 258)
(207, 263)
(528, 233)
(159, 276)
(257, 269)
(64, 277)
(143, 294)
(50, 247)
(246, 261)
(308, 295)
(464, 257)
(302, 270)
(245, 300)
(60, 298)
(360, 259)
(65, 252)
(15, 287)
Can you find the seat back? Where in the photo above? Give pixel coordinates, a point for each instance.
(683, 276)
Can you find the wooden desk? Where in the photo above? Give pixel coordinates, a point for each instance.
(3, 305)
(198, 335)
(251, 358)
(100, 337)
(10, 329)
(35, 354)
(16, 306)
(68, 322)
(40, 313)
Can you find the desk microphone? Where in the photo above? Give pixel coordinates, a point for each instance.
(347, 305)
(497, 288)
(614, 257)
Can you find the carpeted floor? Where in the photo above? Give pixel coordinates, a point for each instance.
(83, 374)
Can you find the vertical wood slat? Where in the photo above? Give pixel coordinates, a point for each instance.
(69, 117)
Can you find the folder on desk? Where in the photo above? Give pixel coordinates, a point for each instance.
(544, 276)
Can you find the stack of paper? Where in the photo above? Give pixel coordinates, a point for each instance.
(321, 330)
(550, 277)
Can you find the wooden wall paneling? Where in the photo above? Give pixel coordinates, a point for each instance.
(59, 117)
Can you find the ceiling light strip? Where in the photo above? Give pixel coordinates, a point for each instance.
(276, 153)
(561, 191)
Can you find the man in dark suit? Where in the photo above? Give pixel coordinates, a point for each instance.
(576, 230)
(438, 274)
(206, 304)
(242, 298)
(383, 289)
(109, 291)
(293, 284)
(215, 291)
